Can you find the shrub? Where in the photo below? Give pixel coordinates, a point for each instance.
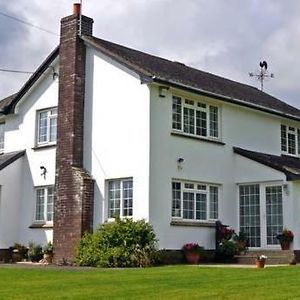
(48, 249)
(123, 243)
(226, 250)
(35, 252)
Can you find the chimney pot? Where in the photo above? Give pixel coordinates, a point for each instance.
(76, 9)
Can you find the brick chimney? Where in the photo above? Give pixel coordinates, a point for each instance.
(73, 209)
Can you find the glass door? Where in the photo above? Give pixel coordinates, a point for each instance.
(274, 216)
(261, 213)
(250, 216)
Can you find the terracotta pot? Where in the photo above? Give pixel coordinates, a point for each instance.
(285, 245)
(260, 264)
(192, 257)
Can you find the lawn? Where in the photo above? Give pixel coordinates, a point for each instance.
(175, 282)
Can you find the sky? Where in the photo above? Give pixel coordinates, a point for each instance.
(225, 37)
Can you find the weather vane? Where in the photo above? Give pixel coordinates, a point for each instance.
(262, 74)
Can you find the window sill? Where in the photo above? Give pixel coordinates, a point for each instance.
(184, 135)
(41, 226)
(193, 223)
(42, 147)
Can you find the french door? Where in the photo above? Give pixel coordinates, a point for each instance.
(261, 213)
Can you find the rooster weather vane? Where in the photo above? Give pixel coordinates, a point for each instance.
(262, 74)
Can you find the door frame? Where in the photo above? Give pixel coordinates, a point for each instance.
(263, 217)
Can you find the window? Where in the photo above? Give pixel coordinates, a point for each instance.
(194, 201)
(47, 121)
(195, 118)
(2, 131)
(120, 192)
(290, 140)
(44, 204)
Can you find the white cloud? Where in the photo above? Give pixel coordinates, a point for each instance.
(228, 38)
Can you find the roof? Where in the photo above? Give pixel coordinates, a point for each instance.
(165, 71)
(156, 69)
(8, 104)
(288, 165)
(7, 158)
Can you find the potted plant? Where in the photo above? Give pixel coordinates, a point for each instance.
(19, 252)
(192, 252)
(261, 261)
(285, 238)
(48, 252)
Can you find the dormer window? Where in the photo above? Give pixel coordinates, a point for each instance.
(195, 118)
(2, 132)
(290, 140)
(47, 121)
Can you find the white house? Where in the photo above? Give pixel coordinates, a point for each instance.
(122, 132)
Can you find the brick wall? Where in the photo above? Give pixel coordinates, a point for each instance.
(73, 209)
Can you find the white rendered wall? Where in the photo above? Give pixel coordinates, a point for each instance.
(206, 162)
(10, 208)
(116, 132)
(20, 134)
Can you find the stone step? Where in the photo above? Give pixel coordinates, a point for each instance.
(275, 257)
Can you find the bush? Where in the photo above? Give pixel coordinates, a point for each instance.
(123, 243)
(35, 252)
(226, 250)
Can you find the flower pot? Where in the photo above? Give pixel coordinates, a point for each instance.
(192, 257)
(260, 264)
(285, 245)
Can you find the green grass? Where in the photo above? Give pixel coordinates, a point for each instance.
(176, 282)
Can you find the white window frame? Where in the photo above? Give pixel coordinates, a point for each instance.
(49, 117)
(121, 180)
(289, 131)
(197, 105)
(195, 191)
(45, 212)
(2, 143)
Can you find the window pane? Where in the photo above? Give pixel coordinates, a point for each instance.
(127, 198)
(176, 199)
(40, 200)
(201, 123)
(189, 120)
(176, 113)
(53, 124)
(201, 207)
(42, 127)
(188, 205)
(114, 198)
(291, 143)
(213, 121)
(50, 204)
(213, 202)
(298, 140)
(2, 130)
(283, 138)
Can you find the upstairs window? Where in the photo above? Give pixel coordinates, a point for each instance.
(195, 118)
(290, 140)
(120, 198)
(44, 204)
(194, 201)
(47, 123)
(2, 131)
